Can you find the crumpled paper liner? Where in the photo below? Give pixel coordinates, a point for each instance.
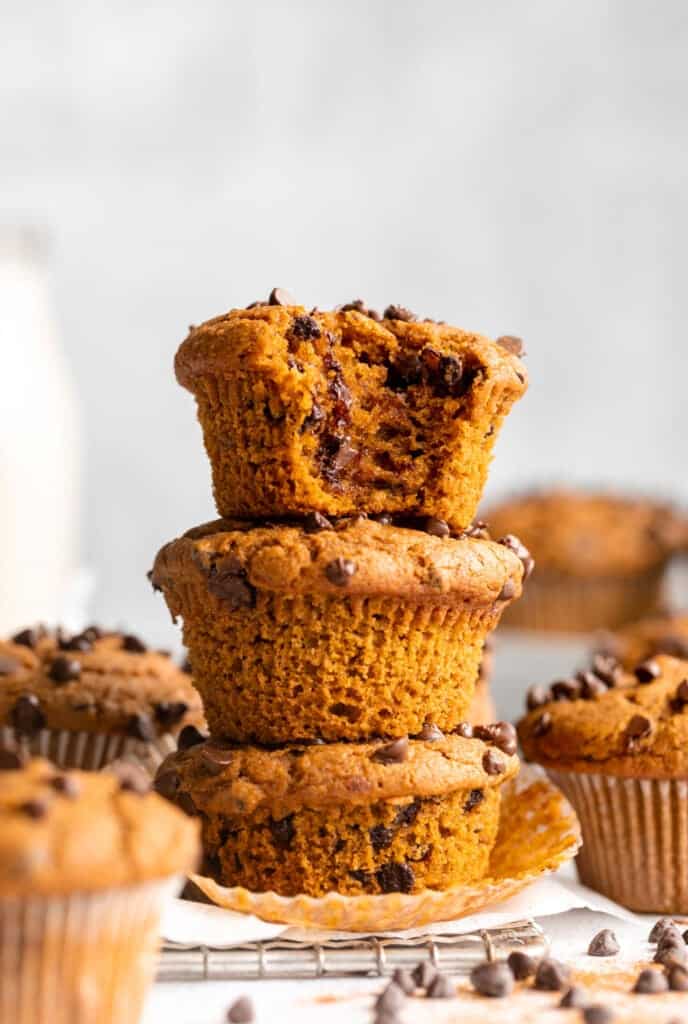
(538, 833)
(89, 751)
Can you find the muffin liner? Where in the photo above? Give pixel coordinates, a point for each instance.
(538, 832)
(565, 604)
(80, 958)
(89, 751)
(636, 838)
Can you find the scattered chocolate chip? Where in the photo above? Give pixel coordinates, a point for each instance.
(35, 809)
(216, 755)
(170, 713)
(12, 758)
(190, 737)
(28, 637)
(665, 924)
(8, 665)
(241, 1011)
(431, 733)
(314, 522)
(551, 976)
(26, 715)
(424, 974)
(407, 815)
(637, 729)
(507, 591)
(140, 727)
(647, 671)
(685, 936)
(607, 668)
(166, 784)
(521, 965)
(591, 686)
(403, 980)
(671, 955)
(575, 998)
(492, 978)
(543, 725)
(133, 644)
(475, 797)
(510, 343)
(521, 551)
(392, 753)
(604, 943)
(566, 689)
(339, 571)
(65, 785)
(399, 313)
(677, 977)
(436, 527)
(536, 697)
(395, 877)
(650, 982)
(131, 778)
(283, 832)
(79, 642)
(63, 670)
(493, 764)
(280, 297)
(670, 937)
(305, 328)
(681, 696)
(501, 734)
(380, 837)
(597, 1014)
(441, 988)
(465, 730)
(390, 999)
(157, 589)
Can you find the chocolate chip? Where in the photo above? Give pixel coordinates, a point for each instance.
(395, 877)
(566, 689)
(403, 980)
(685, 936)
(441, 988)
(670, 937)
(436, 527)
(227, 580)
(280, 297)
(500, 734)
(28, 637)
(650, 982)
(521, 965)
(507, 591)
(597, 1014)
(157, 589)
(647, 671)
(536, 697)
(493, 764)
(591, 686)
(493, 979)
(35, 809)
(339, 571)
(430, 733)
(399, 313)
(189, 737)
(551, 976)
(26, 715)
(140, 727)
(475, 797)
(166, 784)
(170, 713)
(305, 328)
(604, 943)
(521, 551)
(465, 730)
(131, 778)
(283, 832)
(681, 696)
(607, 668)
(637, 729)
(664, 924)
(79, 642)
(315, 522)
(392, 753)
(133, 644)
(63, 670)
(542, 725)
(408, 814)
(380, 837)
(65, 785)
(390, 999)
(8, 665)
(424, 974)
(574, 998)
(671, 956)
(512, 344)
(12, 758)
(404, 372)
(677, 977)
(216, 755)
(241, 1011)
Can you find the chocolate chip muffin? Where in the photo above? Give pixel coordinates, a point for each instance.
(335, 630)
(85, 699)
(87, 861)
(354, 818)
(340, 411)
(661, 634)
(601, 558)
(616, 743)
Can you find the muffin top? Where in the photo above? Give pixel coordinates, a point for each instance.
(355, 556)
(62, 832)
(662, 634)
(234, 781)
(631, 724)
(587, 534)
(93, 681)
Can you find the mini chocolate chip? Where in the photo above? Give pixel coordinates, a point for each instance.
(551, 976)
(131, 778)
(637, 729)
(507, 591)
(521, 551)
(314, 522)
(186, 666)
(681, 696)
(647, 671)
(79, 642)
(606, 668)
(339, 571)
(399, 313)
(542, 725)
(677, 976)
(133, 644)
(65, 785)
(190, 737)
(281, 297)
(403, 980)
(598, 1014)
(395, 877)
(664, 924)
(512, 344)
(408, 814)
(305, 327)
(536, 697)
(157, 589)
(63, 670)
(424, 974)
(566, 689)
(591, 686)
(521, 965)
(465, 730)
(282, 832)
(685, 936)
(380, 837)
(436, 527)
(475, 797)
(671, 956)
(574, 998)
(431, 733)
(170, 713)
(35, 809)
(241, 1011)
(390, 999)
(441, 988)
(28, 637)
(26, 716)
(166, 784)
(12, 758)
(492, 978)
(493, 764)
(604, 943)
(670, 937)
(392, 753)
(650, 982)
(227, 580)
(140, 727)
(8, 665)
(501, 734)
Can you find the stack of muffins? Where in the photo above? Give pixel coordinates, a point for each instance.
(336, 614)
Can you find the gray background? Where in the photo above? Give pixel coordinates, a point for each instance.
(509, 167)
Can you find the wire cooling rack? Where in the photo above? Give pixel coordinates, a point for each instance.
(286, 958)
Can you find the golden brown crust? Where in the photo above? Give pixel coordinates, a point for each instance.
(632, 729)
(94, 836)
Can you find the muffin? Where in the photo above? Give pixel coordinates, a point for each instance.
(601, 558)
(341, 411)
(334, 630)
(85, 699)
(662, 634)
(86, 863)
(354, 818)
(616, 744)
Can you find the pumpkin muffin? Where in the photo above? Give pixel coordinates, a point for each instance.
(616, 743)
(354, 818)
(87, 698)
(662, 634)
(339, 411)
(87, 861)
(601, 558)
(335, 630)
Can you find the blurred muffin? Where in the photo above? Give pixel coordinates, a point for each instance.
(601, 558)
(83, 700)
(616, 744)
(87, 861)
(350, 629)
(347, 817)
(661, 634)
(346, 410)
